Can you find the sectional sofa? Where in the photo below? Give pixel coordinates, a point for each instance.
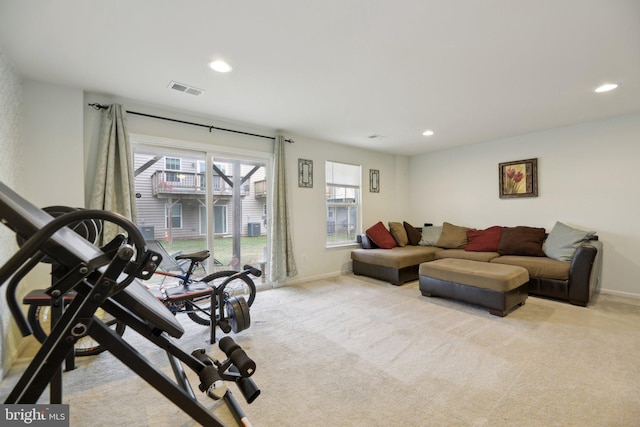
(564, 264)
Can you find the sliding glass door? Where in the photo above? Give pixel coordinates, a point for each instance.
(170, 193)
(190, 200)
(239, 211)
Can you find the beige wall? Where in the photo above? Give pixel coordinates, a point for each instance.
(587, 175)
(11, 173)
(588, 178)
(308, 216)
(53, 144)
(42, 157)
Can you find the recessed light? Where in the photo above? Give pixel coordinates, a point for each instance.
(220, 66)
(427, 133)
(606, 87)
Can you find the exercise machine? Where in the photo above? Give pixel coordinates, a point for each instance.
(108, 279)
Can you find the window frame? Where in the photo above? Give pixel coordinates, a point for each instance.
(353, 220)
(168, 215)
(171, 173)
(172, 168)
(223, 210)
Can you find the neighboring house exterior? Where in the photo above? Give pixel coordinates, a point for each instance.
(170, 192)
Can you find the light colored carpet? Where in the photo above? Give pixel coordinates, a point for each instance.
(353, 351)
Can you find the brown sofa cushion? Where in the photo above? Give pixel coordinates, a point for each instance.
(399, 233)
(537, 266)
(413, 234)
(484, 275)
(464, 254)
(521, 240)
(453, 236)
(398, 257)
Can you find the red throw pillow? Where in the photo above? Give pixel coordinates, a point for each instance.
(484, 240)
(381, 236)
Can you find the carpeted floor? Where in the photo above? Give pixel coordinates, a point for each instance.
(352, 351)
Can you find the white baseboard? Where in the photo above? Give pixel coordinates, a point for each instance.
(339, 273)
(311, 278)
(619, 293)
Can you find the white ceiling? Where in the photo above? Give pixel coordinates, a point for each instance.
(342, 70)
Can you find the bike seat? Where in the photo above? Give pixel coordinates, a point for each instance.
(195, 256)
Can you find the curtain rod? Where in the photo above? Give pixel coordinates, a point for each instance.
(211, 128)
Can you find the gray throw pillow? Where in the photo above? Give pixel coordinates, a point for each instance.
(563, 241)
(430, 235)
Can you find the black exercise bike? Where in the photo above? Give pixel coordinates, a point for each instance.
(232, 292)
(221, 299)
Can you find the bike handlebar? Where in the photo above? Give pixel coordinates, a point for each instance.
(256, 272)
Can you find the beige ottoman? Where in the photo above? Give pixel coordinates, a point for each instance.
(498, 287)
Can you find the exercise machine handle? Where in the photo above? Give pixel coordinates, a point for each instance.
(246, 366)
(247, 386)
(210, 380)
(256, 272)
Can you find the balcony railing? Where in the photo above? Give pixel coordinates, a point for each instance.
(175, 182)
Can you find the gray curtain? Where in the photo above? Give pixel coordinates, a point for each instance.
(283, 263)
(113, 188)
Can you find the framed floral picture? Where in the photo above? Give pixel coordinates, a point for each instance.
(518, 178)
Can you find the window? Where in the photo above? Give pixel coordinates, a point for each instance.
(176, 216)
(188, 215)
(172, 164)
(343, 203)
(220, 219)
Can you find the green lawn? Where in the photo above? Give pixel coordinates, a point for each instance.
(252, 248)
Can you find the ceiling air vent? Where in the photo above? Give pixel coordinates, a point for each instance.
(181, 87)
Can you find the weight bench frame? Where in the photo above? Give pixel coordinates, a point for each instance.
(100, 280)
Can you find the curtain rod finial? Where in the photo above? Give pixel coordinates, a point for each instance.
(97, 106)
